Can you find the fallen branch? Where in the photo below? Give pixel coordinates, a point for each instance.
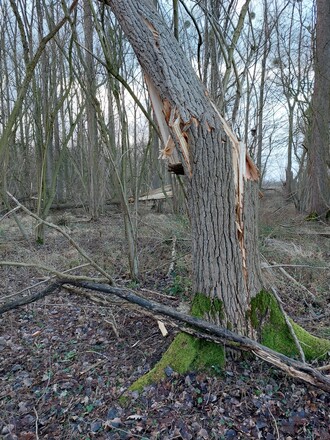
(30, 299)
(199, 328)
(284, 272)
(52, 271)
(67, 236)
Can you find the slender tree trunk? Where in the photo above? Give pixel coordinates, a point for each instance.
(288, 171)
(92, 137)
(176, 19)
(261, 103)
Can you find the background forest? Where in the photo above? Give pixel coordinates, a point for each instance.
(81, 127)
(85, 194)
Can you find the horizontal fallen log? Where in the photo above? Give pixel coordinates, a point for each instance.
(23, 301)
(199, 327)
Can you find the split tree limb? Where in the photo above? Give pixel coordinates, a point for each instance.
(200, 328)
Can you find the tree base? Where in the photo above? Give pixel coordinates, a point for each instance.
(272, 331)
(187, 353)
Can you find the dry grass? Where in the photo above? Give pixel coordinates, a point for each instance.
(287, 239)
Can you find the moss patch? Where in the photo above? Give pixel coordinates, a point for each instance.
(186, 352)
(268, 320)
(209, 355)
(179, 356)
(203, 305)
(314, 348)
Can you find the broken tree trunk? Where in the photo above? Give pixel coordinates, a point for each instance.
(221, 179)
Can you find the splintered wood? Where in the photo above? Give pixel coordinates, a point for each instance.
(175, 124)
(174, 136)
(244, 169)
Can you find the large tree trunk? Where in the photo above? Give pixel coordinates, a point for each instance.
(316, 196)
(225, 263)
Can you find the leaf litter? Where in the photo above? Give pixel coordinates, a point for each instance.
(65, 374)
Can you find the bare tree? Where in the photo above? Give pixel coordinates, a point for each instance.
(93, 150)
(316, 193)
(225, 260)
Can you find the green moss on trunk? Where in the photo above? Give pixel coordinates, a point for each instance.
(187, 353)
(268, 320)
(203, 305)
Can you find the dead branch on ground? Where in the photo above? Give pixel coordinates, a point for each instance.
(198, 327)
(67, 236)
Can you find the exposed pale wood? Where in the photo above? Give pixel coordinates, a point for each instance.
(162, 328)
(157, 194)
(158, 106)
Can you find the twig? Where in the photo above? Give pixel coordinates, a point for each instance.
(66, 235)
(10, 212)
(284, 272)
(289, 325)
(265, 266)
(101, 361)
(113, 326)
(173, 256)
(36, 424)
(43, 281)
(275, 423)
(153, 292)
(165, 264)
(60, 275)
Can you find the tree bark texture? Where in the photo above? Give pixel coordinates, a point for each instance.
(216, 166)
(317, 193)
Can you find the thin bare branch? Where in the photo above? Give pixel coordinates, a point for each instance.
(68, 237)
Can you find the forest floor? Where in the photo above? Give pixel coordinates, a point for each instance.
(66, 363)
